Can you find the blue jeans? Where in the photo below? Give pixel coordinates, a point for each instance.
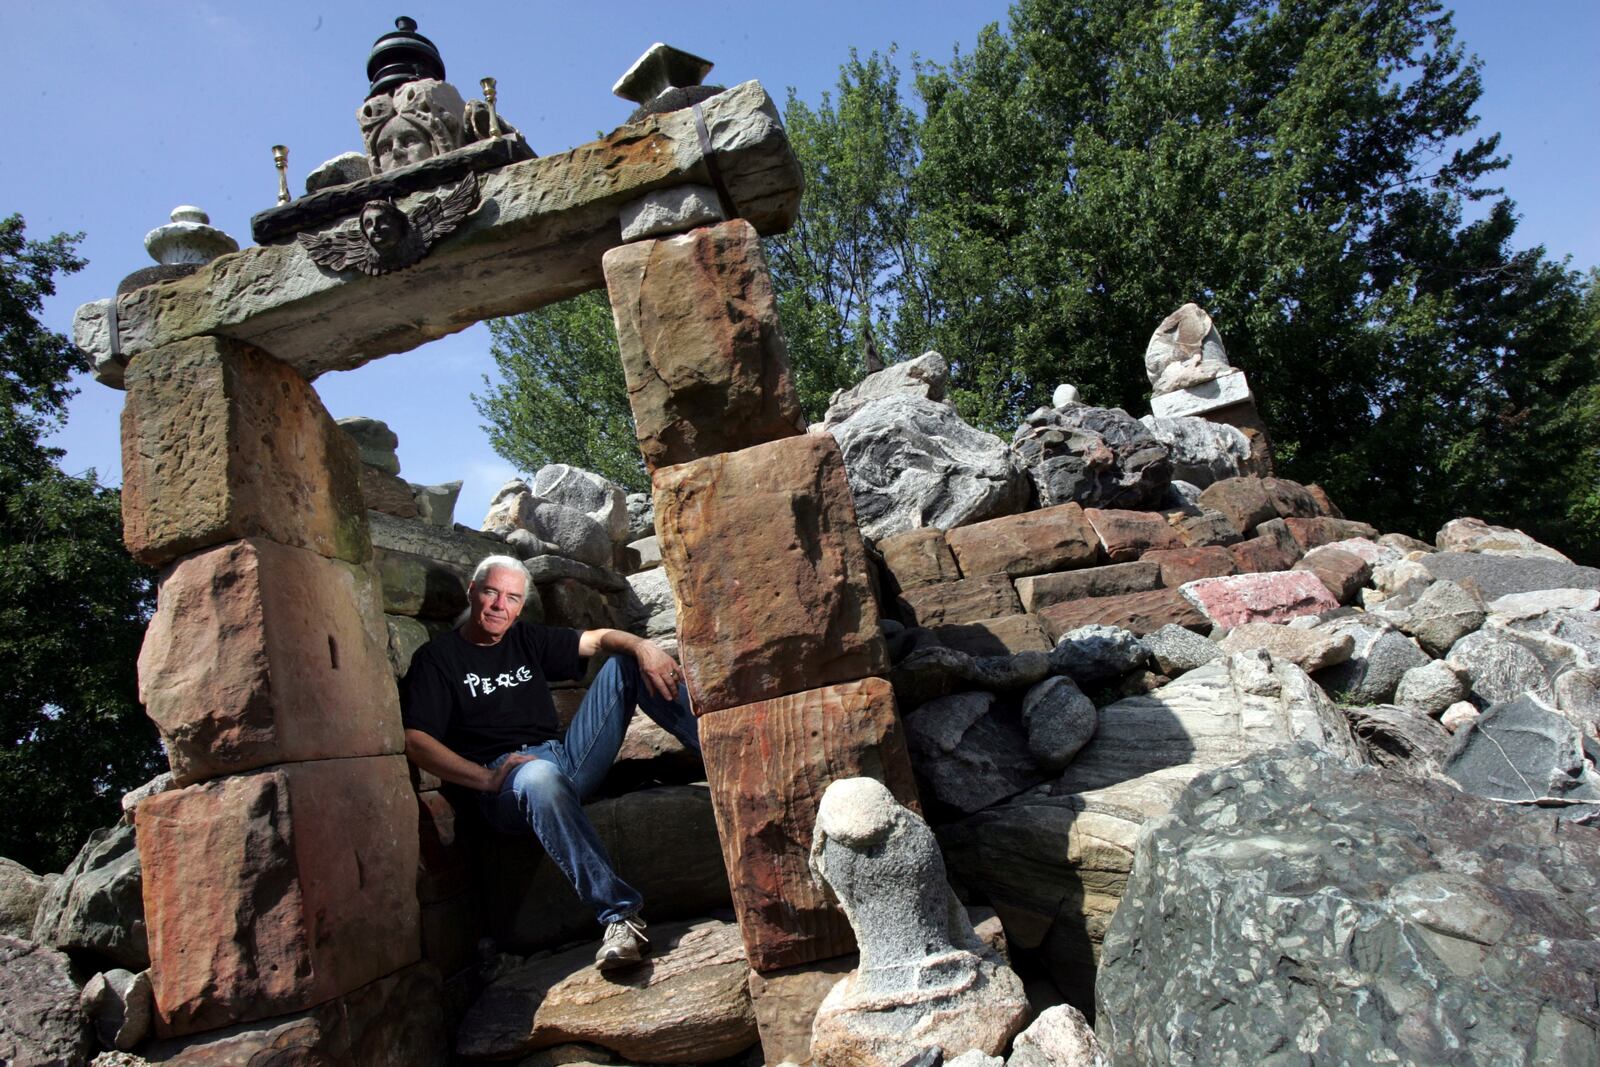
(545, 796)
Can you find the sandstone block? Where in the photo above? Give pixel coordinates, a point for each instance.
(698, 331)
(786, 1003)
(259, 654)
(1179, 565)
(1344, 574)
(919, 557)
(768, 764)
(271, 892)
(1140, 613)
(1051, 539)
(221, 441)
(1042, 590)
(1272, 597)
(966, 600)
(1318, 530)
(1003, 636)
(1263, 554)
(1127, 535)
(1243, 500)
(387, 493)
(769, 571)
(1206, 528)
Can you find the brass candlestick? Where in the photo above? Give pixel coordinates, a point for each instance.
(489, 96)
(280, 156)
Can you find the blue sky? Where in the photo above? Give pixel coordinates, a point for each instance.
(129, 109)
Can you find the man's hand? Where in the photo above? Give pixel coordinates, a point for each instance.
(429, 753)
(661, 671)
(511, 763)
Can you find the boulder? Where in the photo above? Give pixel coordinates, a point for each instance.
(924, 377)
(1042, 590)
(1381, 656)
(97, 906)
(1564, 638)
(420, 587)
(376, 444)
(1430, 688)
(651, 594)
(387, 493)
(1052, 538)
(1307, 649)
(1459, 715)
(964, 600)
(119, 1004)
(1185, 350)
(1128, 535)
(1369, 550)
(597, 497)
(1096, 653)
(1059, 721)
(647, 553)
(970, 752)
(1180, 565)
(1404, 927)
(575, 535)
(40, 1020)
(1497, 575)
(1317, 530)
(21, 892)
(1097, 457)
(687, 1004)
(456, 545)
(1344, 574)
(913, 462)
(1442, 615)
(1059, 1037)
(1200, 527)
(1518, 605)
(406, 635)
(924, 978)
(936, 671)
(1201, 451)
(1400, 738)
(1271, 597)
(436, 504)
(1243, 500)
(1500, 667)
(1177, 650)
(1525, 751)
(919, 557)
(641, 516)
(1475, 535)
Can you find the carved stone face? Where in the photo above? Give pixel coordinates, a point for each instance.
(400, 143)
(382, 225)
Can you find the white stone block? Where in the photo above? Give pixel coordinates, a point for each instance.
(1225, 391)
(674, 210)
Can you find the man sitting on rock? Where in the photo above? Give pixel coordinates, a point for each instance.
(478, 712)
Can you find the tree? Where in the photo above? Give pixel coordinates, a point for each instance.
(73, 603)
(563, 398)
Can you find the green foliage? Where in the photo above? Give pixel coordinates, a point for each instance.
(562, 398)
(73, 604)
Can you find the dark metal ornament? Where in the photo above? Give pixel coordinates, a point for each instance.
(400, 56)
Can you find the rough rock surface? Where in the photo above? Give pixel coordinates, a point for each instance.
(964, 600)
(21, 891)
(597, 497)
(1294, 910)
(1272, 597)
(1049, 539)
(913, 462)
(919, 557)
(1127, 535)
(1430, 688)
(925, 377)
(1442, 615)
(924, 978)
(1139, 613)
(1042, 590)
(1243, 500)
(1059, 1037)
(1097, 457)
(1500, 668)
(1096, 653)
(97, 906)
(1498, 575)
(120, 1005)
(571, 532)
(1525, 751)
(1180, 565)
(1306, 649)
(995, 637)
(704, 358)
(937, 671)
(1201, 451)
(1475, 535)
(1185, 350)
(40, 1021)
(1059, 721)
(796, 611)
(971, 753)
(1343, 573)
(687, 1004)
(1380, 658)
(1177, 650)
(1400, 738)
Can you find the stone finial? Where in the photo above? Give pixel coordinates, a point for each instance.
(1065, 395)
(925, 979)
(188, 239)
(1185, 350)
(662, 67)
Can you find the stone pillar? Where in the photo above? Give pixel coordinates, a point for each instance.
(284, 875)
(777, 623)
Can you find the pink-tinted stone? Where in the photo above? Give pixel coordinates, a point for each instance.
(270, 892)
(1140, 613)
(259, 653)
(769, 573)
(1050, 539)
(1368, 550)
(1324, 530)
(221, 441)
(919, 557)
(967, 600)
(1179, 565)
(768, 764)
(1272, 597)
(1128, 535)
(1325, 504)
(1004, 636)
(697, 329)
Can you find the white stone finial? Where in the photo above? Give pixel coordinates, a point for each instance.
(1064, 395)
(188, 238)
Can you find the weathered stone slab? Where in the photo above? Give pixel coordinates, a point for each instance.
(455, 546)
(786, 1003)
(40, 1021)
(1003, 636)
(697, 328)
(965, 600)
(538, 238)
(1325, 530)
(1344, 574)
(919, 557)
(1050, 539)
(387, 493)
(95, 909)
(271, 892)
(1180, 565)
(221, 441)
(1499, 575)
(1221, 392)
(259, 653)
(443, 866)
(1243, 500)
(768, 764)
(769, 572)
(1266, 553)
(1042, 590)
(1127, 535)
(1140, 613)
(1276, 596)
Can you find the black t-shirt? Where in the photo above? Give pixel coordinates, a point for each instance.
(485, 700)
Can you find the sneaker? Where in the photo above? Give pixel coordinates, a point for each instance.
(623, 943)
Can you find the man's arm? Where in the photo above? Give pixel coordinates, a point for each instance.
(659, 669)
(431, 754)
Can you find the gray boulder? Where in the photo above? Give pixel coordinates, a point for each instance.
(1500, 667)
(1098, 653)
(98, 905)
(375, 442)
(436, 504)
(923, 377)
(1475, 535)
(912, 462)
(1097, 457)
(1499, 575)
(1430, 688)
(120, 1005)
(1178, 649)
(1400, 738)
(935, 670)
(41, 1024)
(1379, 658)
(575, 535)
(1562, 637)
(1201, 451)
(1293, 910)
(641, 516)
(1442, 615)
(971, 754)
(1059, 721)
(597, 497)
(21, 892)
(1525, 751)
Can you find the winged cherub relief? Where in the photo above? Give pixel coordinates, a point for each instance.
(383, 238)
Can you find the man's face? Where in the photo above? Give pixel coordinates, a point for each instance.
(497, 601)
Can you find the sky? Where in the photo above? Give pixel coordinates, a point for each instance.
(126, 110)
